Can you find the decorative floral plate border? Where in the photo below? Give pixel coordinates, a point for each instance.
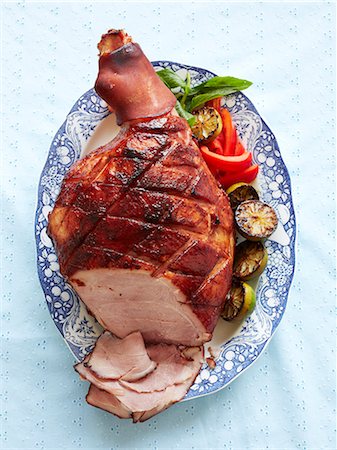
(69, 314)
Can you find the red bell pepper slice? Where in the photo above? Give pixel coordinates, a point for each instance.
(239, 148)
(230, 132)
(216, 146)
(246, 176)
(221, 139)
(233, 141)
(215, 103)
(226, 163)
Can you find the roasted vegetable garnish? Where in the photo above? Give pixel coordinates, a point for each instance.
(208, 124)
(250, 260)
(255, 220)
(240, 192)
(240, 301)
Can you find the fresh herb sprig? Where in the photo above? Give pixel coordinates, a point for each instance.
(190, 98)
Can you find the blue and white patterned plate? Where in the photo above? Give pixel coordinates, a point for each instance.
(236, 347)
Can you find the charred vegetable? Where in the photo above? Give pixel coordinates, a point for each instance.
(250, 260)
(255, 220)
(240, 192)
(240, 301)
(208, 124)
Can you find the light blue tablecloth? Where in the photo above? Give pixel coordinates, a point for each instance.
(287, 399)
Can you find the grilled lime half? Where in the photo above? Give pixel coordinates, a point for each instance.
(250, 260)
(255, 220)
(240, 192)
(240, 301)
(208, 124)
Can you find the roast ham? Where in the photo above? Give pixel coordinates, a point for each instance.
(142, 230)
(173, 371)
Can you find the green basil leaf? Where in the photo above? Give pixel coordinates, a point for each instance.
(185, 114)
(171, 79)
(200, 99)
(220, 83)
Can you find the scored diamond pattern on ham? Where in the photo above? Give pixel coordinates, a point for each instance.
(148, 215)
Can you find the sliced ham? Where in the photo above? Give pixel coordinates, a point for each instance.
(117, 359)
(172, 368)
(101, 399)
(175, 371)
(137, 401)
(108, 402)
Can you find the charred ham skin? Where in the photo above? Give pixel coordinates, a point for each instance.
(127, 81)
(145, 204)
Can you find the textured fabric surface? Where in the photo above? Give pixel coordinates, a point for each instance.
(286, 400)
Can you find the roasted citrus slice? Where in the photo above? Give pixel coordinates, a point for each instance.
(240, 192)
(250, 260)
(208, 124)
(240, 301)
(255, 220)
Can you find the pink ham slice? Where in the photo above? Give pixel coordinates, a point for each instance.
(108, 402)
(174, 371)
(172, 368)
(101, 399)
(116, 359)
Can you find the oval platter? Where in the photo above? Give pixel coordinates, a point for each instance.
(236, 348)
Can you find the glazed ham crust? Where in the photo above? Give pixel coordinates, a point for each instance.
(146, 203)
